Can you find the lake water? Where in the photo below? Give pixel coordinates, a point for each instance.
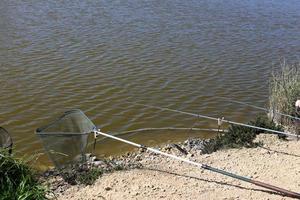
(98, 55)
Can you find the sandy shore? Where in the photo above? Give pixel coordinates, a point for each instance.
(277, 163)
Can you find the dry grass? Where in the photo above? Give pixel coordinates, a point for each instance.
(284, 91)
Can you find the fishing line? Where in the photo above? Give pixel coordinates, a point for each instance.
(124, 133)
(213, 118)
(233, 101)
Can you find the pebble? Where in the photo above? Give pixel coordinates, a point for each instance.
(98, 163)
(108, 188)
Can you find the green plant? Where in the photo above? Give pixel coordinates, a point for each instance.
(239, 136)
(90, 176)
(81, 174)
(18, 180)
(284, 91)
(119, 167)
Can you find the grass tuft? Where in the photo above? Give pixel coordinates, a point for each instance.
(87, 173)
(18, 180)
(239, 136)
(90, 176)
(81, 174)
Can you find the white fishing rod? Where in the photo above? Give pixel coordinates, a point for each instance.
(259, 108)
(216, 119)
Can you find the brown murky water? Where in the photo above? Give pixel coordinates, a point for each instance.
(95, 55)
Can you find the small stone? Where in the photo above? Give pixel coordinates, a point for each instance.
(190, 155)
(108, 188)
(98, 163)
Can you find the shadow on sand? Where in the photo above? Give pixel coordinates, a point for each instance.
(216, 182)
(280, 152)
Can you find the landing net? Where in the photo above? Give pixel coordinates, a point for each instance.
(66, 138)
(5, 140)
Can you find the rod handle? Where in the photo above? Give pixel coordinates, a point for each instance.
(277, 189)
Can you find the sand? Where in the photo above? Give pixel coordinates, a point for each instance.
(277, 162)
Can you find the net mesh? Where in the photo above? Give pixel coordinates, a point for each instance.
(5, 139)
(66, 138)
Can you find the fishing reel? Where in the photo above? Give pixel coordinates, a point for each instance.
(96, 133)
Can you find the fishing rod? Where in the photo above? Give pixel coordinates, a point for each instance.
(203, 166)
(74, 123)
(259, 108)
(216, 119)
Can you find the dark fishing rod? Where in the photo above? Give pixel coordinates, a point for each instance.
(204, 166)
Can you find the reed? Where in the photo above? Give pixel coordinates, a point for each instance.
(284, 91)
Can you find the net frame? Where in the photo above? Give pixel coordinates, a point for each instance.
(66, 138)
(6, 141)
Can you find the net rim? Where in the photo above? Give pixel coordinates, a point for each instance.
(39, 130)
(62, 134)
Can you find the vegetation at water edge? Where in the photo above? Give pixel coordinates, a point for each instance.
(284, 91)
(240, 136)
(18, 180)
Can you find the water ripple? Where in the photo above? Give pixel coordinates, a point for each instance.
(97, 56)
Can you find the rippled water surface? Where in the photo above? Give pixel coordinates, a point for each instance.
(98, 55)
